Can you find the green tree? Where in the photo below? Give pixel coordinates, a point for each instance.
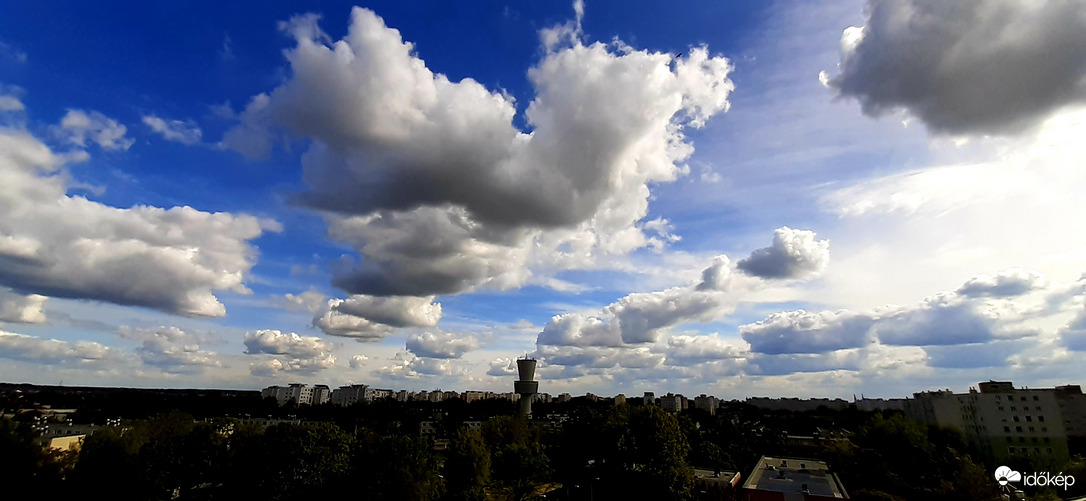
(395, 467)
(519, 464)
(467, 467)
(656, 448)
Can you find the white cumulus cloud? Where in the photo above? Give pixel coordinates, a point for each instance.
(436, 188)
(55, 244)
(79, 126)
(793, 254)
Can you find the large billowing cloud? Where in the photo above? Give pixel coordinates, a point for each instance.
(55, 244)
(802, 332)
(793, 254)
(977, 67)
(301, 354)
(433, 184)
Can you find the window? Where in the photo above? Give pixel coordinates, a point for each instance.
(1035, 398)
(1031, 429)
(1007, 429)
(1049, 450)
(1034, 440)
(1010, 450)
(1013, 408)
(1018, 429)
(1001, 408)
(1041, 418)
(1016, 419)
(1023, 399)
(1029, 419)
(1046, 440)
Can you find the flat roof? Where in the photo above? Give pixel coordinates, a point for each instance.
(793, 475)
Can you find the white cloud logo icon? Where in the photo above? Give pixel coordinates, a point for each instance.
(1005, 474)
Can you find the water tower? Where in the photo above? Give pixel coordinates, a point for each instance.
(526, 386)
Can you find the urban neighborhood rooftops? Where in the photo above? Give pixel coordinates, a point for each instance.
(811, 478)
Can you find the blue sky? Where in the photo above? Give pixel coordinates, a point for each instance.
(778, 198)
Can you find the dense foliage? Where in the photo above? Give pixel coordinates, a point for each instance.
(600, 451)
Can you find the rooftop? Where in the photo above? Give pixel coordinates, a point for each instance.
(789, 475)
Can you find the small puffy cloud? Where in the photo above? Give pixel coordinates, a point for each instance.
(79, 126)
(793, 254)
(1009, 283)
(802, 332)
(395, 311)
(59, 245)
(301, 354)
(978, 67)
(275, 366)
(358, 361)
(182, 131)
(335, 323)
(171, 348)
(22, 309)
(718, 276)
(51, 351)
(502, 367)
(636, 318)
(406, 365)
(433, 184)
(276, 342)
(370, 318)
(441, 344)
(311, 301)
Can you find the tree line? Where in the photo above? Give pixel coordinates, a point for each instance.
(601, 451)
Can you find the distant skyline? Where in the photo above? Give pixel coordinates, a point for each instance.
(772, 199)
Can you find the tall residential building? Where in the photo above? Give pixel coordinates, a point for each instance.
(321, 394)
(299, 394)
(346, 396)
(707, 403)
(296, 393)
(671, 402)
(1005, 422)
